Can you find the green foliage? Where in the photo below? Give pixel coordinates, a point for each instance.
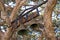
(58, 34)
(58, 0)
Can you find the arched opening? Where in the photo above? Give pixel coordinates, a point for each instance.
(22, 32)
(37, 26)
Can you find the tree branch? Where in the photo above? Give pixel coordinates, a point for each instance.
(16, 8)
(49, 30)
